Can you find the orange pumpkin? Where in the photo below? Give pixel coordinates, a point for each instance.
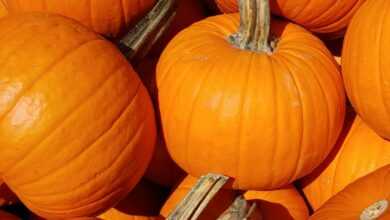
(368, 198)
(224, 108)
(108, 17)
(220, 202)
(365, 65)
(284, 204)
(77, 126)
(143, 203)
(7, 197)
(360, 153)
(324, 16)
(3, 9)
(8, 216)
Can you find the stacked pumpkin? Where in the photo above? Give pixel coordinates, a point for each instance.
(257, 98)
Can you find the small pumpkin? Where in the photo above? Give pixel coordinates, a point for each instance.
(220, 202)
(325, 16)
(8, 216)
(365, 65)
(77, 126)
(368, 198)
(225, 104)
(108, 17)
(143, 203)
(361, 152)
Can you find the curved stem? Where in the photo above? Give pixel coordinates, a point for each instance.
(254, 30)
(137, 42)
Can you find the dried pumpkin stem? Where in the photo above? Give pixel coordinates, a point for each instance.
(254, 30)
(375, 211)
(241, 209)
(137, 42)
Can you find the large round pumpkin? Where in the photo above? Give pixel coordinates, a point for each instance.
(360, 153)
(283, 204)
(322, 16)
(77, 126)
(143, 203)
(108, 17)
(3, 9)
(262, 118)
(368, 198)
(366, 65)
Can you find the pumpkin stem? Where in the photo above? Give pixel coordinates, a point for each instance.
(138, 41)
(198, 198)
(375, 210)
(255, 21)
(241, 209)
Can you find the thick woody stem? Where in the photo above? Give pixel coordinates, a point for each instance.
(375, 211)
(254, 30)
(138, 41)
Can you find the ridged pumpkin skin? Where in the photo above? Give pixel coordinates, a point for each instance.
(360, 153)
(220, 202)
(108, 17)
(284, 204)
(366, 65)
(8, 216)
(356, 197)
(77, 126)
(321, 16)
(265, 120)
(142, 203)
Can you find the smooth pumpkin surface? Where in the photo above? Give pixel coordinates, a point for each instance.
(142, 203)
(77, 126)
(366, 66)
(263, 119)
(358, 196)
(8, 216)
(7, 197)
(108, 17)
(361, 152)
(220, 202)
(162, 169)
(322, 16)
(3, 9)
(285, 203)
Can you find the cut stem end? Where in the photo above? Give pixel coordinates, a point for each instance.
(375, 210)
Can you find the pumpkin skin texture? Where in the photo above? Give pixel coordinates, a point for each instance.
(361, 152)
(107, 17)
(233, 108)
(285, 203)
(325, 16)
(8, 216)
(356, 197)
(77, 126)
(143, 202)
(3, 10)
(220, 202)
(366, 65)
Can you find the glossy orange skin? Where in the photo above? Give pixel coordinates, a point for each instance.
(366, 65)
(143, 203)
(220, 202)
(285, 203)
(360, 153)
(162, 169)
(321, 16)
(265, 120)
(7, 197)
(109, 17)
(77, 126)
(353, 199)
(8, 216)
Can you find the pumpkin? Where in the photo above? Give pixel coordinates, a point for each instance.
(218, 204)
(361, 152)
(8, 216)
(35, 217)
(285, 203)
(3, 9)
(144, 202)
(162, 169)
(365, 65)
(7, 197)
(108, 17)
(329, 17)
(264, 113)
(367, 198)
(77, 126)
